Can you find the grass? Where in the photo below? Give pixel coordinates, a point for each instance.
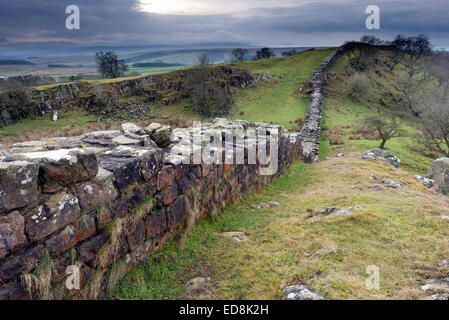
(278, 101)
(397, 230)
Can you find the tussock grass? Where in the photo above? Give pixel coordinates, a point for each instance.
(39, 282)
(397, 230)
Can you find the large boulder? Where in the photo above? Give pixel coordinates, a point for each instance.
(440, 173)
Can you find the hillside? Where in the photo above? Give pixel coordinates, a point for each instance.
(319, 224)
(398, 230)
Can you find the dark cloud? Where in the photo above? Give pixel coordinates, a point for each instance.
(323, 22)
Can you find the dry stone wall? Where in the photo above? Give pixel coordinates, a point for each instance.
(311, 131)
(105, 201)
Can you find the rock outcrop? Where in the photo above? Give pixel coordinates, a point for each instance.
(440, 174)
(162, 89)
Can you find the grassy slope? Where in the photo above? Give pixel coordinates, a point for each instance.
(342, 111)
(397, 230)
(279, 101)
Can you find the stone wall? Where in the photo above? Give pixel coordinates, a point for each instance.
(105, 201)
(311, 131)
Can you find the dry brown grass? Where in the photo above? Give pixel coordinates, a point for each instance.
(335, 136)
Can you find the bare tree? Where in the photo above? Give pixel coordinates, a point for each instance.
(202, 59)
(439, 66)
(411, 61)
(386, 126)
(239, 54)
(372, 40)
(435, 120)
(109, 65)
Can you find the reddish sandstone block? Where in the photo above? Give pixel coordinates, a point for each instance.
(165, 177)
(13, 291)
(167, 196)
(176, 213)
(89, 248)
(60, 168)
(155, 223)
(82, 229)
(97, 191)
(136, 236)
(60, 210)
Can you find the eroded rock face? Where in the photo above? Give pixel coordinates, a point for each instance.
(60, 210)
(18, 184)
(440, 174)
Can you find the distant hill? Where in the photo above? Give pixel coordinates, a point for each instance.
(15, 62)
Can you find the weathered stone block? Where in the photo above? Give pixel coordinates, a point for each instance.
(184, 183)
(167, 196)
(60, 210)
(64, 167)
(155, 223)
(13, 291)
(176, 213)
(165, 177)
(12, 235)
(24, 262)
(126, 170)
(82, 229)
(162, 136)
(132, 128)
(97, 191)
(136, 236)
(18, 184)
(114, 210)
(89, 248)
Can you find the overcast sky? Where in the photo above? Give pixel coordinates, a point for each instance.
(255, 22)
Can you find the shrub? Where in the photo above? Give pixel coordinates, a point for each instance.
(359, 84)
(209, 98)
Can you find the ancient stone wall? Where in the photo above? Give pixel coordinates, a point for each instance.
(311, 131)
(103, 202)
